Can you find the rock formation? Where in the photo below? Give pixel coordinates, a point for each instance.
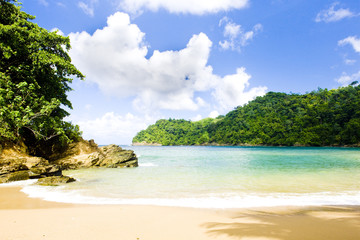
(55, 181)
(16, 164)
(88, 154)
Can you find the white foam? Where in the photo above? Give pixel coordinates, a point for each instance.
(19, 183)
(147, 165)
(225, 201)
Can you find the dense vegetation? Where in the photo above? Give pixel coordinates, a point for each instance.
(35, 72)
(320, 118)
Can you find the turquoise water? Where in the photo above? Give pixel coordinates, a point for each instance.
(219, 177)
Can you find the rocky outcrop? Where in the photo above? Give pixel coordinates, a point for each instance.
(16, 164)
(114, 156)
(24, 167)
(85, 154)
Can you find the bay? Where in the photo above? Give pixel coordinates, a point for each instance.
(219, 177)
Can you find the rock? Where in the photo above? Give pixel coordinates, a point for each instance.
(19, 163)
(45, 171)
(111, 156)
(115, 157)
(16, 164)
(14, 176)
(82, 147)
(32, 162)
(55, 180)
(79, 161)
(11, 165)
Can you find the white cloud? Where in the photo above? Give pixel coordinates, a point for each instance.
(115, 59)
(88, 8)
(197, 7)
(346, 79)
(114, 128)
(58, 31)
(43, 2)
(214, 114)
(236, 37)
(353, 41)
(196, 118)
(233, 90)
(332, 15)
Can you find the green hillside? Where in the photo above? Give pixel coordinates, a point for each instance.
(320, 118)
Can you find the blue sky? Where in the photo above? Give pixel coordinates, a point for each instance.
(191, 59)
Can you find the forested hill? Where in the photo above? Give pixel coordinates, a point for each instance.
(320, 118)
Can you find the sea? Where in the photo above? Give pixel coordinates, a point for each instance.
(217, 177)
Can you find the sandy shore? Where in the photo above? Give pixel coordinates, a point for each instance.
(25, 218)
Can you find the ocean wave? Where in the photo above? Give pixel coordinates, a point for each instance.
(147, 165)
(19, 183)
(213, 201)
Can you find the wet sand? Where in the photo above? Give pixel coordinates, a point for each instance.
(33, 219)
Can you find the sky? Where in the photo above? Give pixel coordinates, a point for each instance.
(146, 60)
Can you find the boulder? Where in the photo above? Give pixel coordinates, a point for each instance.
(114, 156)
(55, 180)
(45, 171)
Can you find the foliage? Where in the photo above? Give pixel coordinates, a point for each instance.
(176, 132)
(35, 72)
(320, 118)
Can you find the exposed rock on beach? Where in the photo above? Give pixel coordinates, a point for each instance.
(16, 164)
(84, 154)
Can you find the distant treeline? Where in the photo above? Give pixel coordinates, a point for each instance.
(319, 118)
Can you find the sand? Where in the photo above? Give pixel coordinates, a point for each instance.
(33, 219)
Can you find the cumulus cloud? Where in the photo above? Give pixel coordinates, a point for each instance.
(346, 79)
(114, 128)
(332, 15)
(233, 90)
(214, 114)
(235, 36)
(353, 41)
(88, 8)
(115, 59)
(197, 7)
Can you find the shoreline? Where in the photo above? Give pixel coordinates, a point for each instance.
(242, 145)
(27, 218)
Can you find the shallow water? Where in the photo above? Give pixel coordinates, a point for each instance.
(219, 177)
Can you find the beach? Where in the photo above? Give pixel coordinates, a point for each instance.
(30, 218)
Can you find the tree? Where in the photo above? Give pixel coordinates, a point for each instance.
(35, 72)
(320, 118)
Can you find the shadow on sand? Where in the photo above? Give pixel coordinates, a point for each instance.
(325, 223)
